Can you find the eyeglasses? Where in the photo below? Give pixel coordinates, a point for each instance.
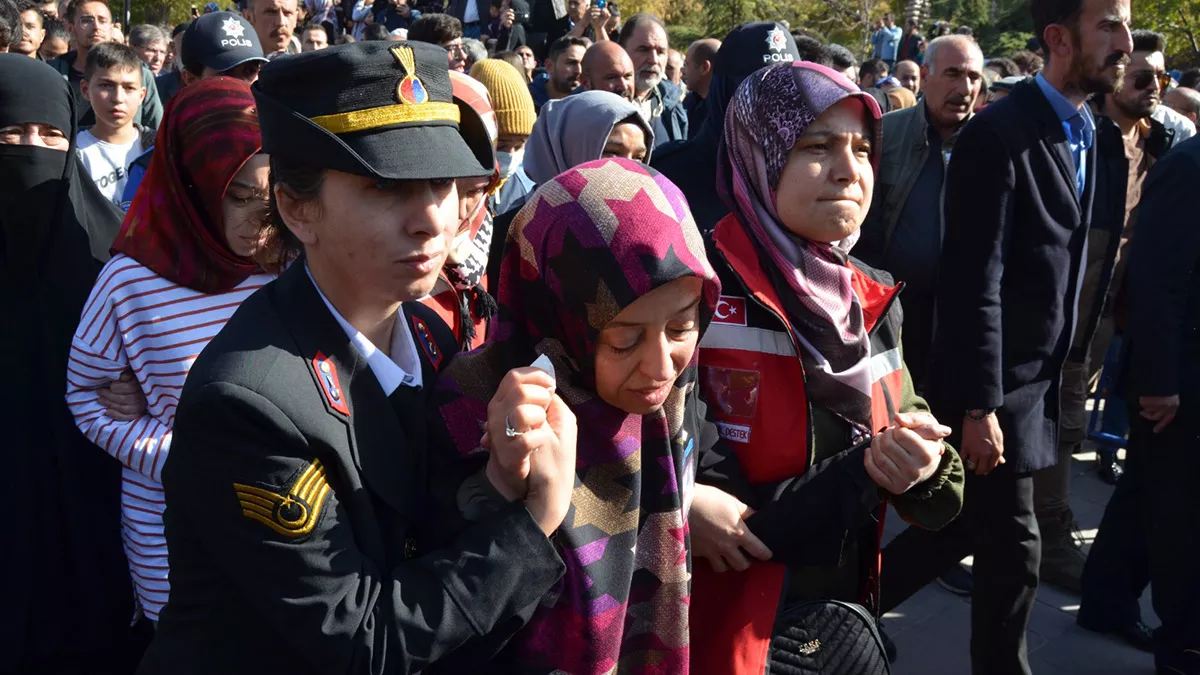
(1145, 77)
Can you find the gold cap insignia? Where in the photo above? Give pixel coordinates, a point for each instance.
(293, 514)
(410, 90)
(415, 106)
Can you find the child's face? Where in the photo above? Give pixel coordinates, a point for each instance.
(115, 94)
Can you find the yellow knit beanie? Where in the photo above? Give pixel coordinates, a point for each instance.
(510, 96)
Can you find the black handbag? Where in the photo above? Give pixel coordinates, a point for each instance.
(826, 637)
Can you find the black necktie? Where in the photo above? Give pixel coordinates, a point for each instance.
(409, 404)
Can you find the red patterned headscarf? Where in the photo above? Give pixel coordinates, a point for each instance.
(174, 225)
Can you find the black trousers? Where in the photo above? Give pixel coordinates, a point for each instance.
(997, 525)
(1151, 533)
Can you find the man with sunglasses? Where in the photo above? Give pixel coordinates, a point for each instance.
(1129, 141)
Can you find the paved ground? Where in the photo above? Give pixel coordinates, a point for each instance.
(932, 629)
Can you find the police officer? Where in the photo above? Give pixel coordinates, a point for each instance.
(308, 533)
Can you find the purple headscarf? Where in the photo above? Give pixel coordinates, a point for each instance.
(770, 111)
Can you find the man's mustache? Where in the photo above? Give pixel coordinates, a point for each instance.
(1116, 59)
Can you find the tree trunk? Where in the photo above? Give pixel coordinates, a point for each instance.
(1187, 28)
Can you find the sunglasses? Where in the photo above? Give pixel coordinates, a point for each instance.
(1145, 77)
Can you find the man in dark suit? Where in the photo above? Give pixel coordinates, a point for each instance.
(1018, 205)
(310, 525)
(1163, 464)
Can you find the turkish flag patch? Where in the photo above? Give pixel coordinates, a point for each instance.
(730, 311)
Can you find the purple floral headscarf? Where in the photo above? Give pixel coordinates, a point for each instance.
(770, 111)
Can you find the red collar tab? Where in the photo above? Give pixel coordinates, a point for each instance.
(327, 377)
(427, 342)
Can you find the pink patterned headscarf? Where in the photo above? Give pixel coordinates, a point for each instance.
(770, 111)
(589, 243)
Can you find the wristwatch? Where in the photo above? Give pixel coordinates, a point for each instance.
(977, 414)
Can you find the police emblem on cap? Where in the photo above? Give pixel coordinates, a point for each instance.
(232, 28)
(410, 90)
(776, 41)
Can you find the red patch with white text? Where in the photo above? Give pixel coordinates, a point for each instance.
(730, 311)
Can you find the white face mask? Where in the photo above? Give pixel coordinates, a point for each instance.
(509, 162)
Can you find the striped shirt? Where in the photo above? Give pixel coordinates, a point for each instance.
(137, 320)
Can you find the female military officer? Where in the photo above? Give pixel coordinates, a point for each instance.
(304, 534)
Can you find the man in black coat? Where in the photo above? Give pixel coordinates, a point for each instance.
(1128, 143)
(312, 529)
(1162, 467)
(1019, 198)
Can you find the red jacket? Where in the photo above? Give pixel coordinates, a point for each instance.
(447, 302)
(752, 378)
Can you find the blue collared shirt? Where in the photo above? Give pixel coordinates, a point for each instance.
(1079, 125)
(886, 40)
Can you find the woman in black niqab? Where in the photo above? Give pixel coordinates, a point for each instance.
(67, 593)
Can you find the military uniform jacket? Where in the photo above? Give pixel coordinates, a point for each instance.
(304, 538)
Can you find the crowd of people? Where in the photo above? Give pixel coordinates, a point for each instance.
(499, 336)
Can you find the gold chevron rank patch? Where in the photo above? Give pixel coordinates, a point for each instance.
(293, 514)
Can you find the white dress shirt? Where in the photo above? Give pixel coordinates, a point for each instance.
(403, 367)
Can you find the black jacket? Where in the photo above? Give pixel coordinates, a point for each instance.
(692, 166)
(1164, 281)
(697, 111)
(269, 573)
(68, 597)
(1009, 273)
(458, 10)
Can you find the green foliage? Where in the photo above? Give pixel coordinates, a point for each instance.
(1178, 21)
(721, 16)
(682, 36)
(165, 12)
(972, 13)
(841, 21)
(1003, 44)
